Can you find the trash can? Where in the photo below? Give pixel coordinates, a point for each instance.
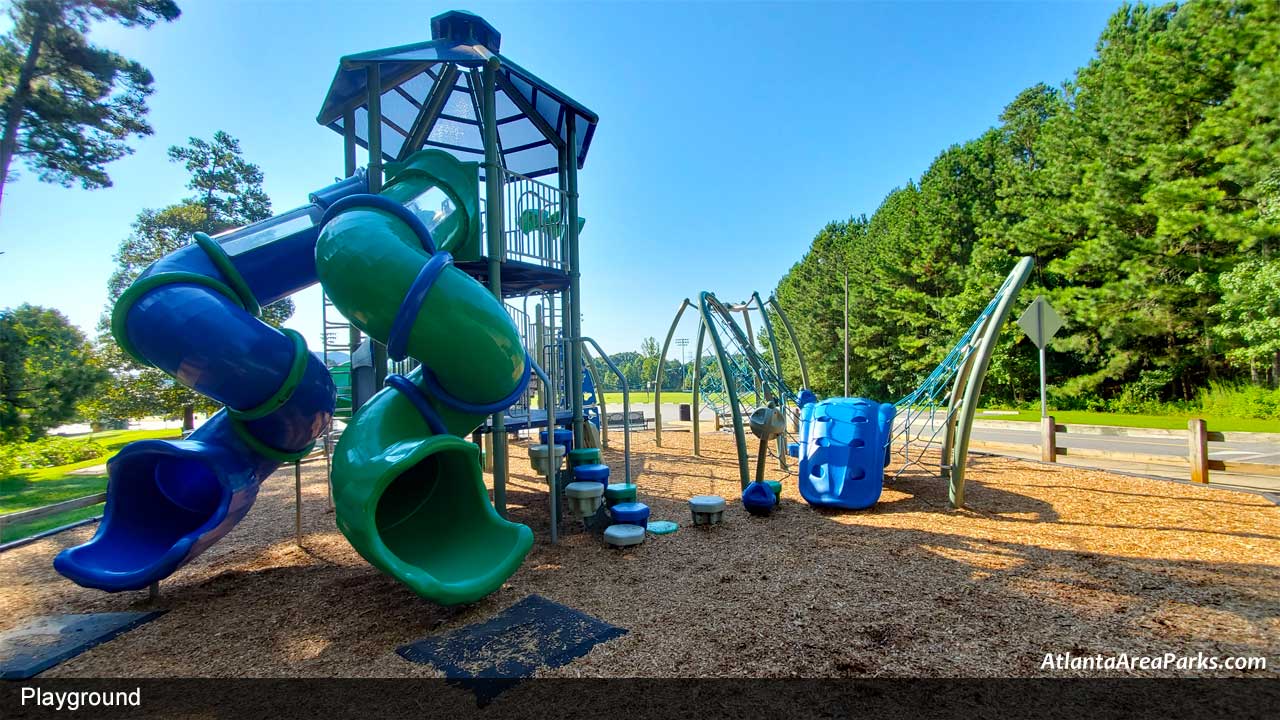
(685, 414)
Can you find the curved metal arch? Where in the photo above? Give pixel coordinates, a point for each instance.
(745, 309)
(777, 366)
(978, 374)
(795, 341)
(706, 303)
(600, 403)
(657, 381)
(697, 385)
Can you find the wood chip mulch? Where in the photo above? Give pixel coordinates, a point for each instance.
(1043, 560)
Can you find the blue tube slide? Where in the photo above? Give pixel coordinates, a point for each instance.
(193, 314)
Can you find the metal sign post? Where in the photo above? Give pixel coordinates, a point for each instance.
(1041, 322)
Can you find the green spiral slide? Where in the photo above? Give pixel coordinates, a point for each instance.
(409, 492)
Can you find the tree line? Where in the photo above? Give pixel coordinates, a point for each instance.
(1146, 188)
(640, 369)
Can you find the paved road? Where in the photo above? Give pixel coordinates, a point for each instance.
(1254, 450)
(1020, 442)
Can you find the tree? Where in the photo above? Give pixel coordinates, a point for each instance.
(1250, 312)
(228, 188)
(46, 368)
(227, 193)
(68, 106)
(1145, 188)
(649, 352)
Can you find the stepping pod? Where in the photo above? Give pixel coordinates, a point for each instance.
(706, 509)
(584, 456)
(619, 493)
(592, 473)
(540, 458)
(563, 438)
(584, 498)
(759, 499)
(776, 487)
(620, 536)
(630, 513)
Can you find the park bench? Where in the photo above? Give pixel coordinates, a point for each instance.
(633, 419)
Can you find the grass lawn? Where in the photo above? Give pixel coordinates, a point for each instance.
(1167, 422)
(26, 489)
(614, 399)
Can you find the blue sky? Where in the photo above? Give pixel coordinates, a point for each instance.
(729, 134)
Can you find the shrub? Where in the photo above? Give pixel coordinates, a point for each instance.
(8, 458)
(48, 452)
(1240, 401)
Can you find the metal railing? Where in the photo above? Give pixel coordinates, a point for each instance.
(536, 332)
(534, 222)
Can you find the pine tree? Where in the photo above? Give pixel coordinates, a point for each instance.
(227, 193)
(68, 107)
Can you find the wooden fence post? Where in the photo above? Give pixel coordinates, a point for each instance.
(1198, 446)
(1048, 440)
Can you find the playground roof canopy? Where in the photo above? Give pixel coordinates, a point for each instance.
(432, 97)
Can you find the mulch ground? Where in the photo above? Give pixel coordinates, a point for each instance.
(1043, 560)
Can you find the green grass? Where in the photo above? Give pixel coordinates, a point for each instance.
(614, 399)
(1166, 422)
(26, 489)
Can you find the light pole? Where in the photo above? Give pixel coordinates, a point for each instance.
(845, 338)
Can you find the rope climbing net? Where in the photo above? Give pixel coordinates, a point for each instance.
(756, 382)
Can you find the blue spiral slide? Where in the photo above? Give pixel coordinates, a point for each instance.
(194, 315)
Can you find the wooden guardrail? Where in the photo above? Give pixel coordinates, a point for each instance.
(45, 511)
(1196, 461)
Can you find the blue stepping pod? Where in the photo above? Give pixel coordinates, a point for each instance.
(759, 499)
(634, 513)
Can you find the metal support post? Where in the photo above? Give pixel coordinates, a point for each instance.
(493, 229)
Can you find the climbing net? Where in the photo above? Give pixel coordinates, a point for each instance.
(917, 417)
(756, 382)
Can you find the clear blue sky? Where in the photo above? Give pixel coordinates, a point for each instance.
(729, 133)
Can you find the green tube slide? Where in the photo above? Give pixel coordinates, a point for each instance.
(412, 501)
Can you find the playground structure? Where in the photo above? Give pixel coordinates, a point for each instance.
(431, 256)
(744, 374)
(451, 284)
(433, 277)
(843, 445)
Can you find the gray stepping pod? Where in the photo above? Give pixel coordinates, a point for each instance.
(706, 509)
(624, 535)
(584, 498)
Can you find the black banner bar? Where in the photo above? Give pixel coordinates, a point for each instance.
(632, 699)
